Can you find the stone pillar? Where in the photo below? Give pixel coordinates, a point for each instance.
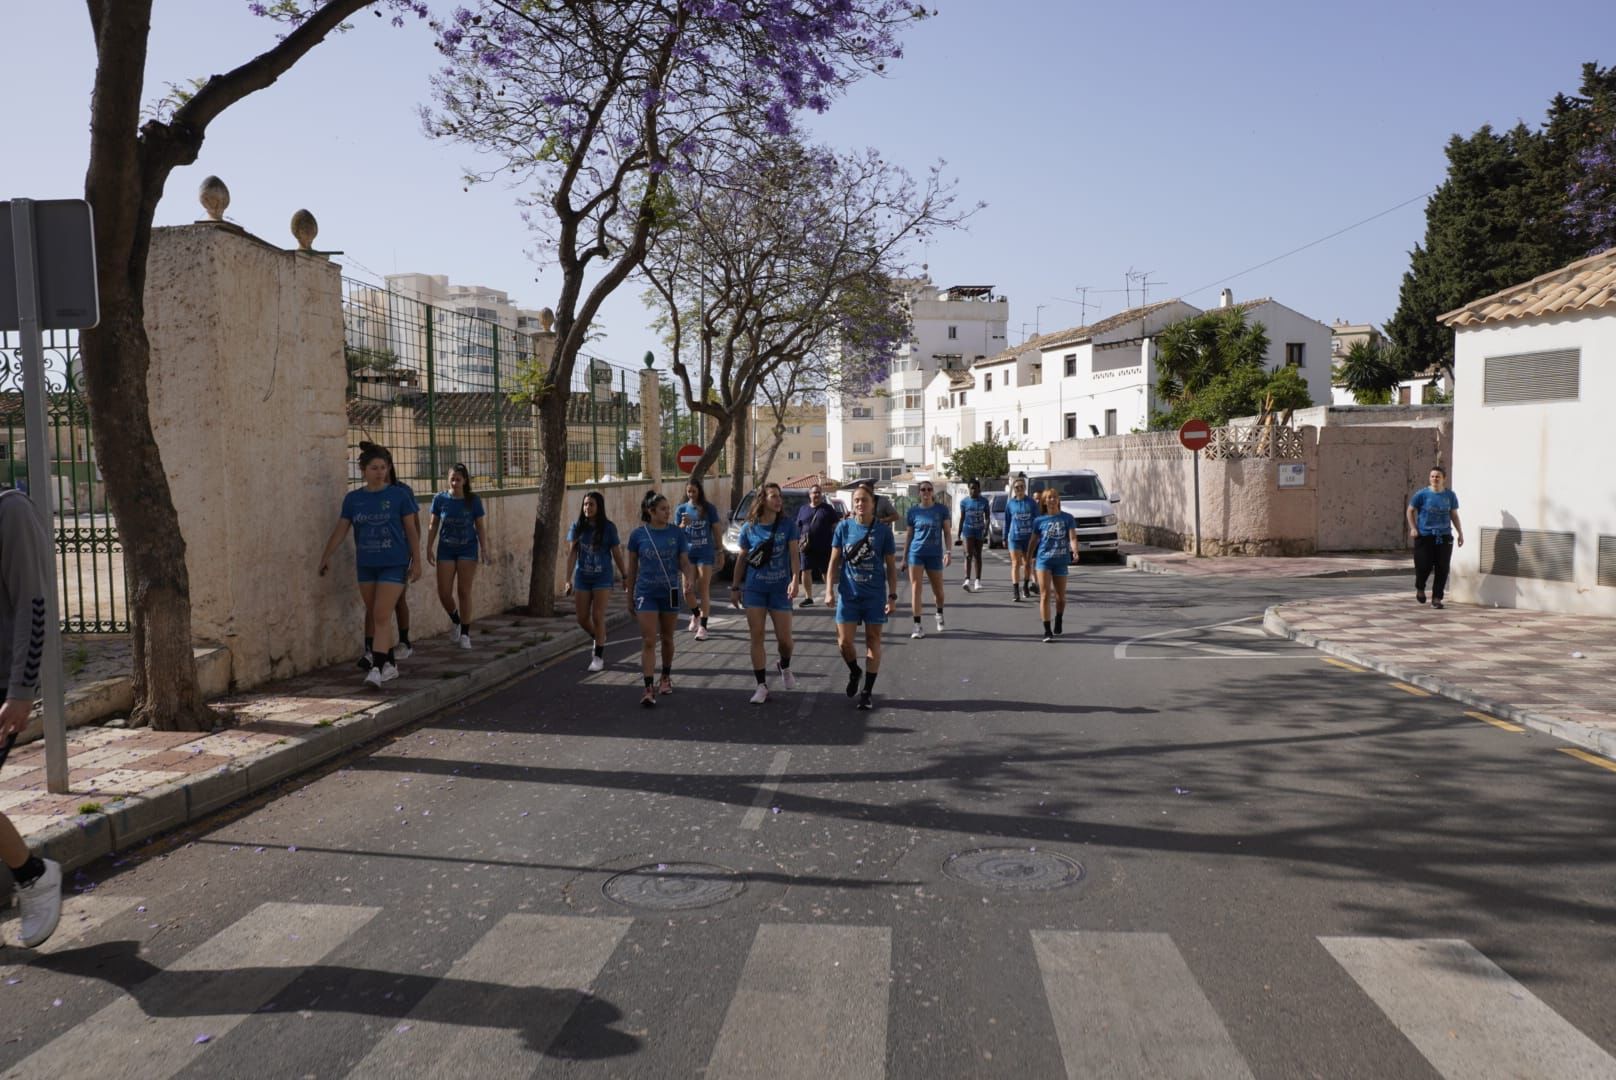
(248, 397)
(651, 425)
(543, 344)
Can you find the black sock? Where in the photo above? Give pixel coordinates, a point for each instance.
(852, 665)
(757, 671)
(385, 658)
(370, 644)
(600, 650)
(785, 661)
(869, 680)
(649, 679)
(465, 628)
(28, 872)
(1059, 616)
(404, 635)
(1046, 627)
(939, 610)
(454, 616)
(667, 670)
(703, 620)
(917, 620)
(695, 609)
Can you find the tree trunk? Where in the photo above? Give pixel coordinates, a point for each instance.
(552, 506)
(775, 442)
(741, 425)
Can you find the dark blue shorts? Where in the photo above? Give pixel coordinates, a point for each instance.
(1057, 567)
(772, 596)
(853, 608)
(456, 552)
(384, 575)
(582, 582)
(702, 556)
(1018, 542)
(661, 601)
(931, 561)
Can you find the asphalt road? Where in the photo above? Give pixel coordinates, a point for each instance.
(1162, 846)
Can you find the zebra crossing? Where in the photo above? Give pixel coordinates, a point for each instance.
(811, 1000)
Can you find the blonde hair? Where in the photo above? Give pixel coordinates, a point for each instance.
(1046, 497)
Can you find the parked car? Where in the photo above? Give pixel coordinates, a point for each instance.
(1084, 497)
(795, 499)
(996, 501)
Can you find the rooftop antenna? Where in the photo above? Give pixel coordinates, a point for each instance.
(1144, 285)
(1037, 319)
(1083, 304)
(1141, 276)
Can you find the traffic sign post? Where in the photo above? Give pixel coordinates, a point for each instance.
(1195, 435)
(689, 454)
(47, 251)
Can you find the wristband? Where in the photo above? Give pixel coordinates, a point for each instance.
(892, 596)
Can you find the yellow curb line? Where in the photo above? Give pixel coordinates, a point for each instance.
(1502, 725)
(1333, 662)
(1592, 759)
(1407, 689)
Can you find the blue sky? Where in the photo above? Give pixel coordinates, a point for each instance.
(1186, 139)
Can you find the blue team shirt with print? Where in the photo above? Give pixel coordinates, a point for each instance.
(457, 519)
(778, 569)
(865, 549)
(926, 525)
(658, 551)
(1052, 531)
(974, 512)
(1434, 511)
(698, 526)
(377, 518)
(594, 558)
(1018, 518)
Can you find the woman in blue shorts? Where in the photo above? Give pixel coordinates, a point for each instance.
(592, 548)
(699, 520)
(456, 541)
(930, 549)
(1054, 549)
(658, 563)
(386, 537)
(766, 582)
(862, 583)
(1019, 512)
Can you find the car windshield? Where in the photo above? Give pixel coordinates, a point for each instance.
(794, 501)
(1070, 485)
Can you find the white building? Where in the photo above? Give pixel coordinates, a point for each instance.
(884, 434)
(1534, 392)
(1424, 388)
(464, 351)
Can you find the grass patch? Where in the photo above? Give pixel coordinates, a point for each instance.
(327, 722)
(90, 808)
(76, 662)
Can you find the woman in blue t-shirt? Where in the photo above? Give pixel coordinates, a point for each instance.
(592, 548)
(658, 563)
(456, 541)
(766, 582)
(930, 549)
(863, 584)
(1054, 549)
(1019, 512)
(699, 520)
(386, 536)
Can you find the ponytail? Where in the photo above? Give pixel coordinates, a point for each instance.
(648, 504)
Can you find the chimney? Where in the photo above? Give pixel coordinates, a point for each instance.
(1226, 298)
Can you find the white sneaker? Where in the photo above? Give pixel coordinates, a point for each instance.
(597, 663)
(41, 905)
(787, 680)
(374, 676)
(388, 672)
(939, 622)
(402, 651)
(760, 695)
(695, 623)
(917, 632)
(976, 585)
(701, 633)
(465, 641)
(454, 633)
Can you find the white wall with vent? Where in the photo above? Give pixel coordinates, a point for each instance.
(1534, 435)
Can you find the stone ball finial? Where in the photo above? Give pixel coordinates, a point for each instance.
(214, 197)
(650, 359)
(546, 319)
(305, 229)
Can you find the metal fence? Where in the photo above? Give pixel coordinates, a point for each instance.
(92, 588)
(439, 384)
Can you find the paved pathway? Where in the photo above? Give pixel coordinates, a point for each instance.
(1364, 564)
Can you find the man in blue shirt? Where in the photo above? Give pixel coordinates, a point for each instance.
(1433, 525)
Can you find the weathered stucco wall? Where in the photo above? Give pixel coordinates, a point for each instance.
(1366, 475)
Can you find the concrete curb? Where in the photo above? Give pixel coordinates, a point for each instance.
(129, 821)
(1144, 564)
(1589, 738)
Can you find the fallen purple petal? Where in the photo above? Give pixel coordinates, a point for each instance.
(200, 1039)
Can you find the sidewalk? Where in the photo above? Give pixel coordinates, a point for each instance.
(129, 784)
(1555, 673)
(1370, 564)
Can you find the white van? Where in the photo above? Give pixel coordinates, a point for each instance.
(1083, 496)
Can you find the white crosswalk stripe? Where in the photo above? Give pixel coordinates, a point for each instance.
(812, 1003)
(498, 1030)
(1466, 1015)
(1128, 1005)
(207, 992)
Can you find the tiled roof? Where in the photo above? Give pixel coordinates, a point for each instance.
(478, 409)
(961, 380)
(1583, 286)
(1079, 334)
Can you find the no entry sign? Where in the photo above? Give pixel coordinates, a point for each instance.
(689, 454)
(1195, 434)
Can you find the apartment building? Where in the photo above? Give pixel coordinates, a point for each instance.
(464, 358)
(802, 444)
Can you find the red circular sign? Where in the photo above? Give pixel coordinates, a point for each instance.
(1195, 434)
(689, 454)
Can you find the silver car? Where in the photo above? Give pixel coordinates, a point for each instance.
(1084, 497)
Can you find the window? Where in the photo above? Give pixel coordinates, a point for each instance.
(1337, 346)
(1294, 353)
(793, 455)
(817, 430)
(1005, 427)
(819, 455)
(987, 381)
(987, 431)
(1071, 364)
(1010, 376)
(1024, 425)
(864, 448)
(1110, 421)
(953, 333)
(912, 400)
(909, 436)
(1405, 395)
(891, 403)
(794, 429)
(862, 412)
(962, 396)
(1071, 425)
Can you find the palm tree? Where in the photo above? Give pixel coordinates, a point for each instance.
(1191, 353)
(1371, 371)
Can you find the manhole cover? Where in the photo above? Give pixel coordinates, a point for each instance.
(1013, 869)
(673, 886)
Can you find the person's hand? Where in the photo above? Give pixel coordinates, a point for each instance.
(1413, 533)
(14, 716)
(488, 558)
(431, 557)
(1459, 539)
(324, 567)
(948, 558)
(415, 571)
(829, 600)
(791, 590)
(892, 605)
(566, 590)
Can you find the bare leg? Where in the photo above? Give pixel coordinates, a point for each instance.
(382, 607)
(755, 619)
(936, 577)
(782, 633)
(915, 576)
(649, 621)
(844, 641)
(403, 610)
(1045, 588)
(872, 648)
(668, 621)
(598, 601)
(446, 576)
(13, 849)
(465, 576)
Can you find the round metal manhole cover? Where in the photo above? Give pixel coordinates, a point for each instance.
(1013, 869)
(673, 886)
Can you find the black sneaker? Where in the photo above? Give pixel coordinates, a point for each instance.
(1058, 629)
(1436, 604)
(1048, 637)
(853, 678)
(807, 601)
(1419, 596)
(864, 702)
(1015, 593)
(365, 662)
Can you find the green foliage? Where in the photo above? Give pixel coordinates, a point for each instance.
(1194, 352)
(1374, 397)
(980, 459)
(1246, 390)
(1371, 369)
(360, 358)
(1500, 216)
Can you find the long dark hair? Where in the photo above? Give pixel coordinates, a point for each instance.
(761, 502)
(600, 517)
(701, 492)
(465, 483)
(369, 451)
(648, 504)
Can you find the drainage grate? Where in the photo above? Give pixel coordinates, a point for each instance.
(1013, 869)
(673, 886)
